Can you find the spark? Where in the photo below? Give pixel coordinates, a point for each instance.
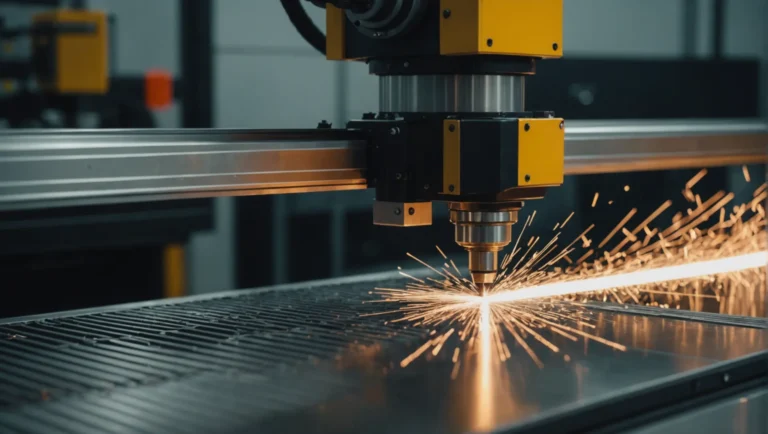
(626, 188)
(746, 173)
(542, 293)
(594, 200)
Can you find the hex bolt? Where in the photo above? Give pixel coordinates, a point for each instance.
(411, 211)
(451, 127)
(397, 211)
(446, 13)
(451, 188)
(555, 46)
(527, 127)
(527, 178)
(489, 42)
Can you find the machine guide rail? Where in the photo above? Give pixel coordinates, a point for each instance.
(64, 168)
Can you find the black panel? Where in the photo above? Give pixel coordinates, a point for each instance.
(645, 89)
(38, 283)
(309, 234)
(253, 243)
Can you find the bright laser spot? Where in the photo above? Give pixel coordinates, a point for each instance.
(635, 278)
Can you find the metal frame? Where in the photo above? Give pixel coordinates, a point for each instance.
(58, 167)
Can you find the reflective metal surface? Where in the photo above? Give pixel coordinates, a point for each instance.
(744, 413)
(72, 167)
(64, 168)
(304, 358)
(483, 234)
(402, 214)
(451, 93)
(608, 147)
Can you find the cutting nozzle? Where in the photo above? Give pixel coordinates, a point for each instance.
(483, 233)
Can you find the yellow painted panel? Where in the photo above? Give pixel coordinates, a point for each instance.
(460, 30)
(335, 21)
(531, 28)
(81, 58)
(451, 157)
(174, 281)
(541, 152)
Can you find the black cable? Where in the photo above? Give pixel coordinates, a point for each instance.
(304, 25)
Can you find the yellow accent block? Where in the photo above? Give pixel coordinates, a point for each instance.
(174, 281)
(81, 58)
(451, 156)
(532, 28)
(541, 152)
(335, 21)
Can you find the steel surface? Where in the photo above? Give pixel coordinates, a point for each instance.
(301, 357)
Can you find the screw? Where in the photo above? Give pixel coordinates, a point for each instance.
(726, 378)
(489, 42)
(527, 178)
(451, 188)
(398, 176)
(562, 124)
(397, 211)
(406, 64)
(411, 211)
(555, 46)
(452, 128)
(426, 186)
(446, 13)
(527, 127)
(394, 131)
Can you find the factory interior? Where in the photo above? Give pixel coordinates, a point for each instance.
(411, 216)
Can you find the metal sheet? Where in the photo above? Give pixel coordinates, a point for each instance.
(302, 358)
(59, 168)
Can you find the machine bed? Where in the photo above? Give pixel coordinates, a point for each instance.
(301, 358)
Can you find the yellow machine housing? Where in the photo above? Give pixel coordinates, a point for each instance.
(528, 28)
(70, 51)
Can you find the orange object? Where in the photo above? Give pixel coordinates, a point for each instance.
(158, 89)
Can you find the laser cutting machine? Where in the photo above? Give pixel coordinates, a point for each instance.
(452, 126)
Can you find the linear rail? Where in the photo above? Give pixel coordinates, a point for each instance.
(62, 168)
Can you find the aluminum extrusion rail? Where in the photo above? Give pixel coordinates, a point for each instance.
(64, 168)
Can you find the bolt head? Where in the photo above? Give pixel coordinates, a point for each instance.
(446, 13)
(527, 178)
(411, 211)
(397, 211)
(451, 188)
(398, 176)
(527, 127)
(489, 42)
(426, 186)
(451, 128)
(555, 46)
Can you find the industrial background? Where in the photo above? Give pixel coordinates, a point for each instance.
(234, 309)
(242, 65)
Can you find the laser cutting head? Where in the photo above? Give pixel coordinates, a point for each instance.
(452, 123)
(483, 230)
